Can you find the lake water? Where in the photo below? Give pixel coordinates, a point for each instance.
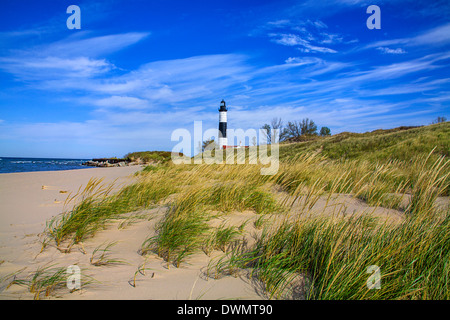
(8, 164)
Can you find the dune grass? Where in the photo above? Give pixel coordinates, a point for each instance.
(180, 232)
(149, 156)
(95, 206)
(222, 237)
(101, 255)
(332, 254)
(46, 281)
(378, 145)
(184, 229)
(327, 255)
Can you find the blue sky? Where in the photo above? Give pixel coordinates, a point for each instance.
(137, 70)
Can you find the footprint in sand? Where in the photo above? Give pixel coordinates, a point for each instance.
(44, 187)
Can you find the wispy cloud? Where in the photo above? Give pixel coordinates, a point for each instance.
(163, 82)
(432, 37)
(73, 57)
(48, 68)
(124, 102)
(391, 51)
(408, 88)
(308, 36)
(398, 70)
(311, 48)
(328, 38)
(320, 24)
(280, 23)
(287, 39)
(297, 41)
(78, 45)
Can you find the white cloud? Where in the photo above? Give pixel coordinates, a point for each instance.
(123, 102)
(299, 60)
(295, 40)
(311, 48)
(287, 39)
(309, 36)
(397, 70)
(329, 67)
(391, 51)
(329, 38)
(320, 24)
(47, 68)
(412, 87)
(73, 57)
(92, 46)
(280, 23)
(433, 37)
(165, 82)
(296, 25)
(307, 90)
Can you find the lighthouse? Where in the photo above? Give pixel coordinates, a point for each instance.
(223, 125)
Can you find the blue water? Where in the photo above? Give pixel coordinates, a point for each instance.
(8, 164)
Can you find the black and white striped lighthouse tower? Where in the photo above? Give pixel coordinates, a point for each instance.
(223, 125)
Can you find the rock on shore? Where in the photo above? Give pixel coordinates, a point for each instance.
(104, 162)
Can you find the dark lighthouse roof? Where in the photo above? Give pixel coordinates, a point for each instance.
(223, 106)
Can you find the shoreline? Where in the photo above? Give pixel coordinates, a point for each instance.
(73, 169)
(44, 192)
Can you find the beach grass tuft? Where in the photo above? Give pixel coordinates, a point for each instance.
(101, 255)
(46, 281)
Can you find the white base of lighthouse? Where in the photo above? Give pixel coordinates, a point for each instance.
(223, 142)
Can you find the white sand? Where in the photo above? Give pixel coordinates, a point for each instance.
(25, 206)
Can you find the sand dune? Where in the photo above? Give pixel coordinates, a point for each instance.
(28, 200)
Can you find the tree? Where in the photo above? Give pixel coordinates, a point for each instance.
(292, 130)
(268, 129)
(325, 131)
(267, 134)
(277, 125)
(439, 120)
(210, 144)
(308, 127)
(295, 129)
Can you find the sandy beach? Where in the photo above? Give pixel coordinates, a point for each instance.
(28, 200)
